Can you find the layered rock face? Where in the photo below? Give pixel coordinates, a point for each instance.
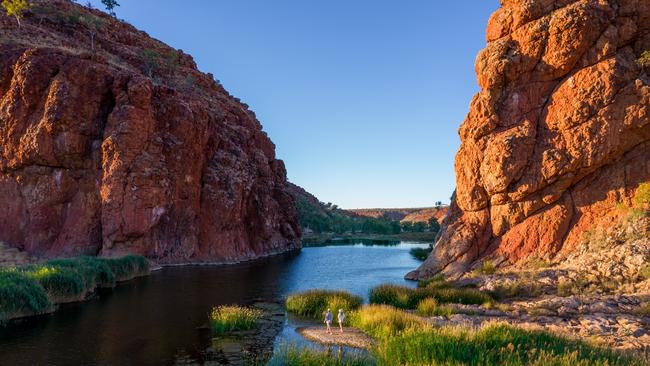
(112, 142)
(557, 138)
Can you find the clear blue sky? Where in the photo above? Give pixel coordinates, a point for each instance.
(363, 98)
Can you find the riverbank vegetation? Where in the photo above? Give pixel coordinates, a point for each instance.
(398, 319)
(294, 356)
(421, 254)
(314, 303)
(225, 319)
(408, 298)
(36, 288)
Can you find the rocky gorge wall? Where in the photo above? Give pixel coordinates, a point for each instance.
(558, 138)
(112, 142)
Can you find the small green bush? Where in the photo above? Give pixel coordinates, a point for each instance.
(19, 293)
(644, 310)
(293, 356)
(486, 268)
(435, 281)
(520, 288)
(420, 254)
(226, 319)
(642, 195)
(644, 59)
(645, 272)
(314, 303)
(495, 344)
(430, 307)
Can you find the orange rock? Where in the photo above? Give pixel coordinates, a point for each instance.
(558, 136)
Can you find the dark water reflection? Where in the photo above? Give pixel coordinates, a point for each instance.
(160, 319)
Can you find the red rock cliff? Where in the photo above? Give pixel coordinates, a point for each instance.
(112, 142)
(558, 136)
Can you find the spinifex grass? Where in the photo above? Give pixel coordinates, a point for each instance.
(19, 293)
(314, 303)
(226, 319)
(294, 356)
(495, 344)
(431, 307)
(408, 298)
(31, 289)
(382, 321)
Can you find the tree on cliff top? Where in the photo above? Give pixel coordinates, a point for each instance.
(16, 8)
(110, 6)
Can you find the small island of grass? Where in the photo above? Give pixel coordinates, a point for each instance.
(225, 319)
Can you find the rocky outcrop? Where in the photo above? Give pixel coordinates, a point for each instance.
(113, 142)
(558, 136)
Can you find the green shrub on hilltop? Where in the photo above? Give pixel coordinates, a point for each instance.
(314, 303)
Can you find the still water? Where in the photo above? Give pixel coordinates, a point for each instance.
(161, 319)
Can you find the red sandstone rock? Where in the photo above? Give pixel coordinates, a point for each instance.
(98, 158)
(558, 136)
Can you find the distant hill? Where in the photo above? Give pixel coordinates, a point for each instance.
(422, 214)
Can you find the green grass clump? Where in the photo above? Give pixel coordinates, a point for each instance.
(645, 272)
(33, 288)
(314, 303)
(495, 344)
(226, 319)
(486, 268)
(644, 310)
(394, 295)
(431, 307)
(435, 281)
(420, 254)
(127, 266)
(57, 281)
(294, 356)
(384, 321)
(408, 298)
(19, 293)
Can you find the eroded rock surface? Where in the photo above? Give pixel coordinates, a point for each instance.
(558, 136)
(113, 142)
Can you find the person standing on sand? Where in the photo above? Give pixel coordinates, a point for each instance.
(328, 321)
(341, 319)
